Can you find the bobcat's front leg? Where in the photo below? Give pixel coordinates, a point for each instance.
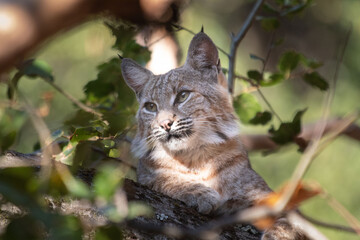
(191, 192)
(205, 199)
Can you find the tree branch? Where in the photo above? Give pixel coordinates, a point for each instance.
(235, 41)
(29, 23)
(264, 142)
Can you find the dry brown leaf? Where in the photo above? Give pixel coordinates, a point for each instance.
(302, 193)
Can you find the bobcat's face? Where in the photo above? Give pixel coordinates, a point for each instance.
(185, 108)
(179, 112)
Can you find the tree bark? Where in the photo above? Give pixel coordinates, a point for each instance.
(172, 218)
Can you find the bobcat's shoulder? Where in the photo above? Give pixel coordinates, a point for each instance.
(188, 136)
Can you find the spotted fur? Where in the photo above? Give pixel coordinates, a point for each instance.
(190, 149)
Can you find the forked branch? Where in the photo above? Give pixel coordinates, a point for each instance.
(235, 41)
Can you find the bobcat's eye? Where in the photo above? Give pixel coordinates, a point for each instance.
(151, 107)
(182, 96)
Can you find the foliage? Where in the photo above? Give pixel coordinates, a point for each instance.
(85, 141)
(88, 140)
(290, 65)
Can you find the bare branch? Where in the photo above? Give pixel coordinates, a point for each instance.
(308, 229)
(235, 41)
(264, 142)
(74, 100)
(338, 207)
(327, 225)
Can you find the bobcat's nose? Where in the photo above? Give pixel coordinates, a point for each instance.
(166, 124)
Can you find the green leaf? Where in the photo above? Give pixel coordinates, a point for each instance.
(108, 143)
(107, 180)
(254, 74)
(32, 68)
(287, 130)
(77, 188)
(270, 23)
(316, 80)
(115, 153)
(36, 68)
(125, 42)
(84, 133)
(310, 63)
(108, 85)
(80, 119)
(12, 86)
(272, 80)
(11, 121)
(67, 154)
(289, 61)
(261, 118)
(246, 107)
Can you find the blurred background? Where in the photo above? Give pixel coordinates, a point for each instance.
(319, 33)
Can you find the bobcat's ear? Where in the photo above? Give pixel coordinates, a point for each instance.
(134, 75)
(202, 54)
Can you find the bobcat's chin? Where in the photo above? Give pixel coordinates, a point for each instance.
(175, 142)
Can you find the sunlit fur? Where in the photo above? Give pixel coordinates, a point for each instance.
(201, 160)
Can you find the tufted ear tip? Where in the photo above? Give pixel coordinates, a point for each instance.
(202, 28)
(121, 57)
(202, 52)
(134, 75)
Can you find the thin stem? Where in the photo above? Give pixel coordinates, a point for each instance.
(271, 47)
(74, 100)
(268, 104)
(260, 93)
(235, 41)
(327, 225)
(314, 147)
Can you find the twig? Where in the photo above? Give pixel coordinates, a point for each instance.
(354, 223)
(47, 162)
(268, 104)
(44, 136)
(271, 47)
(256, 142)
(260, 93)
(308, 229)
(327, 225)
(339, 129)
(193, 33)
(341, 54)
(72, 99)
(235, 43)
(312, 149)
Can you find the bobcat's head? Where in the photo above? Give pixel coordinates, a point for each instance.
(187, 107)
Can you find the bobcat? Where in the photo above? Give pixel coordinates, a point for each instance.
(187, 140)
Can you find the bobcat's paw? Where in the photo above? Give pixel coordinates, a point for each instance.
(205, 200)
